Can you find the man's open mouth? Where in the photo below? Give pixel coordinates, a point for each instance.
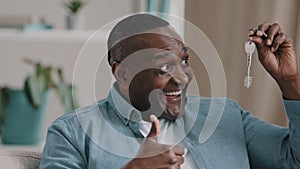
(173, 96)
(176, 93)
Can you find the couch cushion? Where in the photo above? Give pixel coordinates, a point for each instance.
(19, 159)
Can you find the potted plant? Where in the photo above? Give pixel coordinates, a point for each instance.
(22, 111)
(73, 7)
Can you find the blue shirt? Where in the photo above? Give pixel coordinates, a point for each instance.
(107, 135)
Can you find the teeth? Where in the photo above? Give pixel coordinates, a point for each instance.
(173, 93)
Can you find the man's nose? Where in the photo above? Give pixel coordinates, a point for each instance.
(179, 75)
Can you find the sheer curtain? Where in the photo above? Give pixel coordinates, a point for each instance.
(226, 23)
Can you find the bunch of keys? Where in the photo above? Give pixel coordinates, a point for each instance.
(249, 49)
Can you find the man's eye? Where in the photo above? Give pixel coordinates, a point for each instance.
(166, 67)
(185, 62)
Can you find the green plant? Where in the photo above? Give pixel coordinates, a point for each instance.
(37, 83)
(73, 6)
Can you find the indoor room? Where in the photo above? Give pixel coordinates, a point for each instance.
(57, 58)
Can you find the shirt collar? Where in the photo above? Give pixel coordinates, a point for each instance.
(129, 113)
(125, 110)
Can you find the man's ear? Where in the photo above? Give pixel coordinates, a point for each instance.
(121, 73)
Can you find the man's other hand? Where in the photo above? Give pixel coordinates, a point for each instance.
(153, 155)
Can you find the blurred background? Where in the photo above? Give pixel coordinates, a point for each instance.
(53, 33)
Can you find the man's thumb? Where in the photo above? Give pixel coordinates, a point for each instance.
(155, 128)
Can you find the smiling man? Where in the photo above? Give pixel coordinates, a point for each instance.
(160, 63)
(149, 122)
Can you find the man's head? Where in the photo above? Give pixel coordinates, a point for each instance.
(150, 64)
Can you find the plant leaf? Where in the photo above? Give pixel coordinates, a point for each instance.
(73, 5)
(33, 90)
(66, 97)
(38, 83)
(60, 75)
(46, 73)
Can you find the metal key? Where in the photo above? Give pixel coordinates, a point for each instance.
(249, 49)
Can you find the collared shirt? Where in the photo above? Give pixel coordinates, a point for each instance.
(103, 136)
(169, 129)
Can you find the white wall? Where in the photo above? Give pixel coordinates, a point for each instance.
(58, 51)
(48, 51)
(96, 12)
(62, 48)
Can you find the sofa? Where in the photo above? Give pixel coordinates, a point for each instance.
(13, 159)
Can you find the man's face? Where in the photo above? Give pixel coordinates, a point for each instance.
(160, 75)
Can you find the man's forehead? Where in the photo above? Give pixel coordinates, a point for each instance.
(142, 47)
(165, 31)
(151, 55)
(163, 38)
(159, 41)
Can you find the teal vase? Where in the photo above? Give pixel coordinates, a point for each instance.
(23, 124)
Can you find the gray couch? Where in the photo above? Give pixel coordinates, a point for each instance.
(19, 159)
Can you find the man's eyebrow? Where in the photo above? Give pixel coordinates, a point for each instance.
(161, 55)
(167, 53)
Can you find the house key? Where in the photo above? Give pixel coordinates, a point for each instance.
(249, 49)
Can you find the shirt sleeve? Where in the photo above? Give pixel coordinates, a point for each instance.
(274, 147)
(59, 150)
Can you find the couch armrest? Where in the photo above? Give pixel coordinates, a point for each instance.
(19, 159)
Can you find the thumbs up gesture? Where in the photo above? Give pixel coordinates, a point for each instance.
(153, 155)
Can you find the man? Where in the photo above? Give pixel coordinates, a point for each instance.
(148, 120)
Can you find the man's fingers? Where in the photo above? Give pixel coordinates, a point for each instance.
(155, 128)
(272, 33)
(178, 150)
(263, 28)
(180, 160)
(251, 32)
(266, 30)
(278, 41)
(176, 161)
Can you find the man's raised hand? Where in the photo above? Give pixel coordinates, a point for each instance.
(277, 54)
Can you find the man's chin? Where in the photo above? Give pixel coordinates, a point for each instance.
(174, 110)
(172, 114)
